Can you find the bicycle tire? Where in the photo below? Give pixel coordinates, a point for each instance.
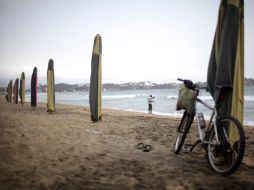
(182, 131)
(224, 159)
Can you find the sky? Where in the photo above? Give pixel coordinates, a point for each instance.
(142, 40)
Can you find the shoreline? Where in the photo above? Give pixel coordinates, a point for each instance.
(171, 115)
(65, 150)
(248, 120)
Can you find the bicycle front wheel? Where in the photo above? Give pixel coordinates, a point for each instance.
(225, 157)
(182, 131)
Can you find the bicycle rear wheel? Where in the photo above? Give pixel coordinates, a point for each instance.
(182, 131)
(225, 158)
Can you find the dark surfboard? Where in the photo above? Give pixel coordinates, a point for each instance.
(22, 89)
(34, 87)
(9, 92)
(16, 91)
(95, 81)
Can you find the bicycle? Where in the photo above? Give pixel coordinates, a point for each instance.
(223, 138)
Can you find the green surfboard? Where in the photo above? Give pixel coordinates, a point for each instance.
(95, 81)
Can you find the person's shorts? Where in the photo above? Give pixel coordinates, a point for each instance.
(149, 106)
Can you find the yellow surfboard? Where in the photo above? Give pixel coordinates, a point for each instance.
(51, 87)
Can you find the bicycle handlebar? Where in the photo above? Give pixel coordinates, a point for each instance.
(190, 84)
(180, 79)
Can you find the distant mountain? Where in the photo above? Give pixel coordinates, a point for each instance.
(62, 87)
(145, 85)
(249, 82)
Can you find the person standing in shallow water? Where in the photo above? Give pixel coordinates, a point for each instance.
(150, 104)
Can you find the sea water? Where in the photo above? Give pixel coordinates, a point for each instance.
(137, 101)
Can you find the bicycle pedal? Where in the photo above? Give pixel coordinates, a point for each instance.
(187, 148)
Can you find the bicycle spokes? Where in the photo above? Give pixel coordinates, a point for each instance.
(225, 156)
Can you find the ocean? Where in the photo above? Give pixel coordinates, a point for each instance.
(136, 100)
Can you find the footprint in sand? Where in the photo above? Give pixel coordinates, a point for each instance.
(72, 149)
(60, 159)
(82, 168)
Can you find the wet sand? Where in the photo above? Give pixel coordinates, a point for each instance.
(65, 150)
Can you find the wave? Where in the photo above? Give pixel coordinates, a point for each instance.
(201, 97)
(70, 97)
(172, 97)
(110, 97)
(142, 95)
(249, 123)
(210, 98)
(249, 98)
(246, 98)
(176, 114)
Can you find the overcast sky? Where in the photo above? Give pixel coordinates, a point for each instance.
(142, 40)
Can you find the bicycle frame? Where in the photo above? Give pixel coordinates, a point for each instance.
(211, 121)
(223, 152)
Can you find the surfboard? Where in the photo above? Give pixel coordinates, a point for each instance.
(34, 87)
(51, 86)
(16, 91)
(95, 100)
(22, 89)
(9, 92)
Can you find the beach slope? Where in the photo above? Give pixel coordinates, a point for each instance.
(65, 150)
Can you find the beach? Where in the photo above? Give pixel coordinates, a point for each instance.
(65, 150)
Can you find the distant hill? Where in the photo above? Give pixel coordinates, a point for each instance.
(62, 87)
(249, 82)
(145, 85)
(137, 86)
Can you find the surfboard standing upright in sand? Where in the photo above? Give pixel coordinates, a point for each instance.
(22, 89)
(95, 81)
(34, 87)
(8, 96)
(16, 91)
(51, 87)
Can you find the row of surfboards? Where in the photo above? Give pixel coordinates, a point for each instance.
(15, 90)
(95, 100)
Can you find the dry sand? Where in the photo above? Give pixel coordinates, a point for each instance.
(64, 150)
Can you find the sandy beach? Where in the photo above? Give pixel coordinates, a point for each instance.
(65, 150)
